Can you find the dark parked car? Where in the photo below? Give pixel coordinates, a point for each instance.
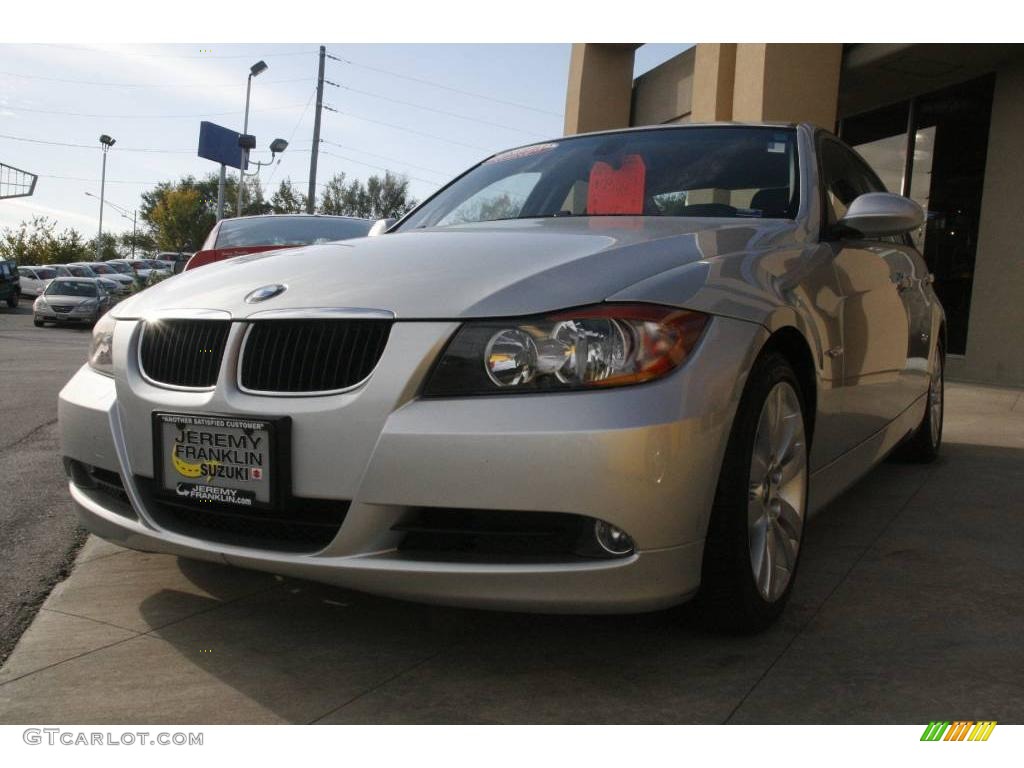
(253, 234)
(10, 283)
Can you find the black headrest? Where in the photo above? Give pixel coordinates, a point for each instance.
(771, 202)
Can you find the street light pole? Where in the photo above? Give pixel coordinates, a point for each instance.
(255, 70)
(135, 213)
(106, 142)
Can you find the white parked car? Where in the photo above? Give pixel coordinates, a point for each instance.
(35, 279)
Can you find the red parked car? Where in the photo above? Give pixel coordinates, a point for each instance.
(253, 234)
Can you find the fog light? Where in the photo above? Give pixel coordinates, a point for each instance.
(612, 540)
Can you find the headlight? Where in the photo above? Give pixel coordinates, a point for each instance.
(607, 345)
(101, 350)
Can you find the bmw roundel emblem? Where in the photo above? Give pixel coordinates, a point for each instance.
(264, 293)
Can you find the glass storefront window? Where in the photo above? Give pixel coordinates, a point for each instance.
(950, 141)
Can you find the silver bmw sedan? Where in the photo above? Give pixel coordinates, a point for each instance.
(603, 373)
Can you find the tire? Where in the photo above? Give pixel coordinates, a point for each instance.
(753, 547)
(922, 447)
(37, 322)
(12, 300)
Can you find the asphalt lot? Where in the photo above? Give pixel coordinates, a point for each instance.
(38, 532)
(906, 610)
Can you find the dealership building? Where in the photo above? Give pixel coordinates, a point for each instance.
(940, 123)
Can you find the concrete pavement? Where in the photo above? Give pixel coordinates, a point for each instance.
(906, 609)
(38, 537)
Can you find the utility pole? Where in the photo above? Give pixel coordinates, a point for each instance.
(311, 198)
(220, 191)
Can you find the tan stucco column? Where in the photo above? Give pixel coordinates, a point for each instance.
(714, 72)
(600, 87)
(787, 82)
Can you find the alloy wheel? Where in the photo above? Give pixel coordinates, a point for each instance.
(778, 491)
(935, 403)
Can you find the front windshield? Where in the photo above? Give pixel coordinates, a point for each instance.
(120, 267)
(288, 230)
(725, 171)
(101, 269)
(46, 274)
(71, 288)
(81, 271)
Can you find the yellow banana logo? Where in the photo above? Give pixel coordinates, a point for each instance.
(187, 469)
(184, 468)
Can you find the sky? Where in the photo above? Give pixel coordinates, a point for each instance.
(428, 111)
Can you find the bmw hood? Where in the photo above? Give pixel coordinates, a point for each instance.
(489, 269)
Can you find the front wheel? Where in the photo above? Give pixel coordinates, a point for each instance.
(757, 522)
(12, 300)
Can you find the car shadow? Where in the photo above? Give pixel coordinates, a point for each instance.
(309, 652)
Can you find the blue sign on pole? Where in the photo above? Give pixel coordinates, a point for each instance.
(219, 144)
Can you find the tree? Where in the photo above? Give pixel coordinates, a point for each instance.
(141, 242)
(180, 219)
(35, 242)
(287, 199)
(109, 247)
(70, 246)
(379, 198)
(488, 209)
(180, 214)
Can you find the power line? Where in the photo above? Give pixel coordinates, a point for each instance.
(378, 167)
(142, 117)
(94, 146)
(164, 55)
(295, 130)
(435, 110)
(110, 84)
(96, 181)
(407, 130)
(446, 174)
(435, 84)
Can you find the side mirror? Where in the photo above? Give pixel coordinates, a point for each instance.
(380, 226)
(882, 213)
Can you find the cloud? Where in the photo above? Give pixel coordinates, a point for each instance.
(9, 219)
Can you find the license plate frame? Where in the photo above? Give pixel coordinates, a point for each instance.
(277, 462)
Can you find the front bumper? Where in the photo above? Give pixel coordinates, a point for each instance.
(645, 459)
(51, 316)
